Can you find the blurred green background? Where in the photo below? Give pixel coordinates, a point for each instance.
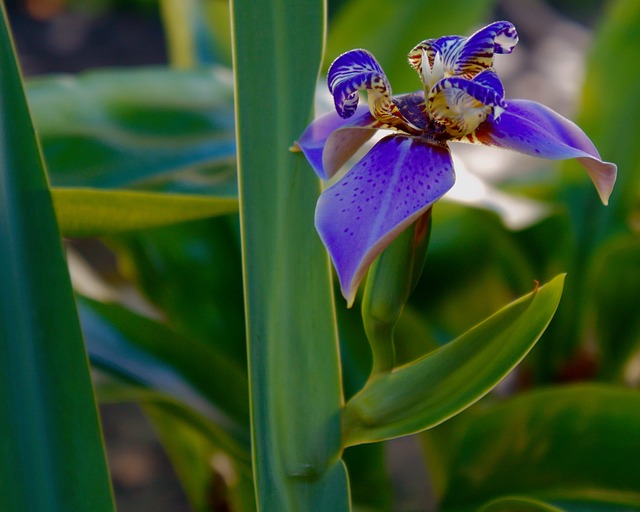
(534, 222)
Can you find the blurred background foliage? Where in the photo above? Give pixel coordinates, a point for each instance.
(160, 301)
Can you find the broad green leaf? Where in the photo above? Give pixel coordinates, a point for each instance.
(155, 129)
(191, 439)
(151, 355)
(474, 267)
(615, 281)
(52, 457)
(390, 30)
(296, 394)
(610, 106)
(84, 212)
(211, 480)
(192, 273)
(112, 387)
(519, 504)
(426, 392)
(563, 445)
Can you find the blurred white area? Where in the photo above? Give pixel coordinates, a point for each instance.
(516, 212)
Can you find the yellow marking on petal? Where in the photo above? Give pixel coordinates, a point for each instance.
(459, 112)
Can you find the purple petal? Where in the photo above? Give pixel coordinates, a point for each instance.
(386, 191)
(353, 71)
(447, 46)
(533, 129)
(477, 52)
(489, 78)
(329, 141)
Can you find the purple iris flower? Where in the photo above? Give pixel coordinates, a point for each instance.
(407, 171)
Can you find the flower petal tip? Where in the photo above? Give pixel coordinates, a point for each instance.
(603, 175)
(383, 194)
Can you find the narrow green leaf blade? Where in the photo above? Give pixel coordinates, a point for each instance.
(86, 212)
(52, 454)
(424, 393)
(292, 335)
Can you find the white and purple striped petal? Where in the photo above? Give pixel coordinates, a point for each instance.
(358, 70)
(478, 50)
(384, 193)
(439, 53)
(462, 56)
(461, 105)
(531, 128)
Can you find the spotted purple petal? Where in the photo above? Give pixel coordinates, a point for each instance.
(477, 52)
(393, 185)
(531, 128)
(329, 141)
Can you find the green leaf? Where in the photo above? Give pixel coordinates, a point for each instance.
(428, 391)
(152, 356)
(52, 453)
(296, 394)
(520, 504)
(192, 273)
(461, 287)
(564, 445)
(84, 212)
(615, 281)
(155, 129)
(609, 100)
(390, 30)
(210, 479)
(197, 32)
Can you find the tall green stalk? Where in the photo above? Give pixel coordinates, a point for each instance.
(296, 395)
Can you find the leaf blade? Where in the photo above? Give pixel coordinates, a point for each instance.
(291, 324)
(52, 453)
(432, 389)
(84, 212)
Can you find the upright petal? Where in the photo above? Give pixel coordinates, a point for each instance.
(358, 70)
(477, 52)
(462, 56)
(440, 53)
(531, 128)
(395, 183)
(329, 141)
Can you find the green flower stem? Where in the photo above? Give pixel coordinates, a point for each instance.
(390, 281)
